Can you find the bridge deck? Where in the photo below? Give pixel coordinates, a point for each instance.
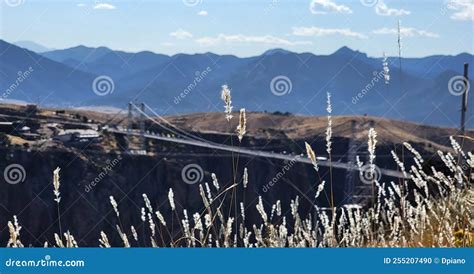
(297, 158)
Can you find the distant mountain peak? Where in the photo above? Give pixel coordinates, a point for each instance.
(82, 47)
(277, 50)
(32, 46)
(79, 47)
(344, 51)
(79, 53)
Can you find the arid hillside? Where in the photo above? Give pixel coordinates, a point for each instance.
(261, 125)
(270, 126)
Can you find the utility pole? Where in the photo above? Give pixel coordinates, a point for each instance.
(464, 98)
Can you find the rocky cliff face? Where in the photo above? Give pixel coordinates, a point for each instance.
(87, 183)
(89, 177)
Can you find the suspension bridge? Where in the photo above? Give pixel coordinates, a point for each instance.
(181, 136)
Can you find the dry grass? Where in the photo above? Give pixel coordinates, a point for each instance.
(437, 212)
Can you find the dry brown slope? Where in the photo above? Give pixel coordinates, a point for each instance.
(269, 126)
(264, 125)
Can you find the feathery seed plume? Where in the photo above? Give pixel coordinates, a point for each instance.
(171, 199)
(386, 70)
(225, 96)
(371, 144)
(311, 156)
(215, 182)
(104, 241)
(56, 184)
(143, 214)
(160, 218)
(114, 205)
(241, 128)
(246, 177)
(320, 189)
(14, 229)
(329, 127)
(134, 233)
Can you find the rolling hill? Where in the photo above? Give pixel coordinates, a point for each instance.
(30, 77)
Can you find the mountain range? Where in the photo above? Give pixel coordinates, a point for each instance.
(33, 46)
(277, 80)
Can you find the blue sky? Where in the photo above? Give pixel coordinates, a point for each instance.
(246, 27)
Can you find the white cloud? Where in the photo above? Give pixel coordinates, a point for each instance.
(407, 32)
(325, 6)
(464, 9)
(315, 31)
(382, 9)
(181, 34)
(104, 6)
(202, 13)
(81, 5)
(239, 38)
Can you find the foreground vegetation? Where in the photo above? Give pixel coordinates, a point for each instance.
(429, 208)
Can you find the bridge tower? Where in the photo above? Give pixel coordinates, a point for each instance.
(351, 174)
(129, 123)
(132, 108)
(142, 127)
(356, 191)
(130, 117)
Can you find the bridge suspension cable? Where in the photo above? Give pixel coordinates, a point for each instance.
(158, 123)
(175, 127)
(189, 139)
